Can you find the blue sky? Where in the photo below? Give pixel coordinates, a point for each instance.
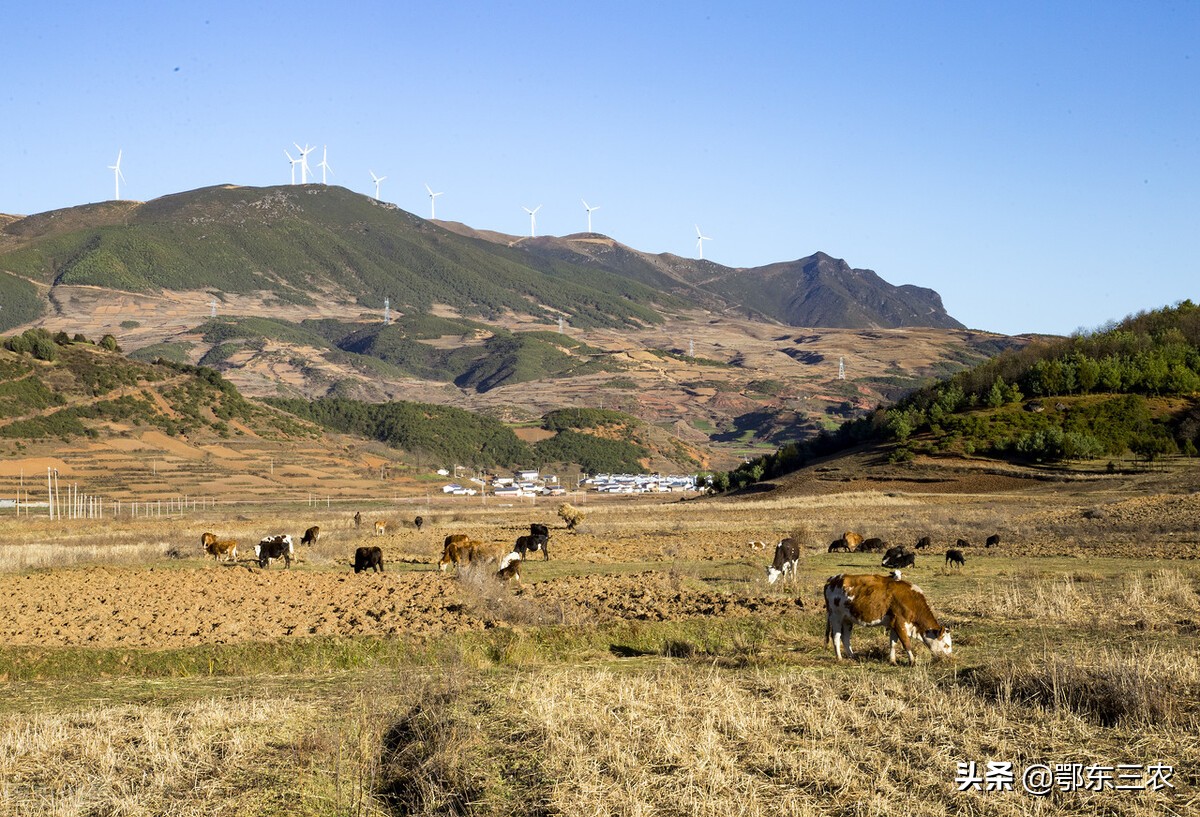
(1036, 163)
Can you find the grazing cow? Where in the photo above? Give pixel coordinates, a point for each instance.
(963, 543)
(993, 540)
(358, 519)
(510, 567)
(368, 558)
(419, 523)
(787, 560)
(222, 549)
(275, 547)
(380, 527)
(871, 601)
(923, 542)
(955, 556)
(454, 550)
(311, 535)
(534, 543)
(853, 539)
(839, 544)
(868, 545)
(904, 558)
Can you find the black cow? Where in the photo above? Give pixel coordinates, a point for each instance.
(904, 558)
(955, 556)
(787, 560)
(993, 540)
(274, 547)
(923, 542)
(533, 543)
(874, 543)
(367, 558)
(963, 543)
(839, 544)
(538, 529)
(419, 522)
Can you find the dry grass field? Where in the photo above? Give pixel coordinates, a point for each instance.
(646, 668)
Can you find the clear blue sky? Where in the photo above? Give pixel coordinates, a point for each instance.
(1037, 163)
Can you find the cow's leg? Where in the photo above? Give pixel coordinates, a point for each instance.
(847, 625)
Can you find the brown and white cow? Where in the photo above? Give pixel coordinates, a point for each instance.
(222, 549)
(206, 539)
(873, 601)
(380, 527)
(787, 559)
(510, 567)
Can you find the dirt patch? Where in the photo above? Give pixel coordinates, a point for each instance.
(212, 604)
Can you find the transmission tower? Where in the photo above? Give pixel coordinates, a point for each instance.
(841, 368)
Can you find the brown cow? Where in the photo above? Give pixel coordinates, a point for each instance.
(207, 539)
(454, 550)
(311, 535)
(852, 539)
(222, 549)
(881, 600)
(380, 527)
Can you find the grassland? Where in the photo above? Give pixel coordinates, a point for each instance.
(646, 669)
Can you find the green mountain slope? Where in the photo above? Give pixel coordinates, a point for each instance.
(301, 243)
(1131, 389)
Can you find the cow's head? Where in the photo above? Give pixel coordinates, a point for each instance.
(773, 575)
(938, 641)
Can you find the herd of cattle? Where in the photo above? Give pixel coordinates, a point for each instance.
(865, 599)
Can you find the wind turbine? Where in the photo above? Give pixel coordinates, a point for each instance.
(532, 219)
(700, 239)
(118, 176)
(324, 164)
(293, 161)
(304, 171)
(378, 180)
(589, 212)
(432, 202)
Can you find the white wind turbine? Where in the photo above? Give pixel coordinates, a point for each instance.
(324, 165)
(118, 176)
(378, 180)
(304, 171)
(700, 239)
(532, 219)
(589, 212)
(293, 161)
(432, 203)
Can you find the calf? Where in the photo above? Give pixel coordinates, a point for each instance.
(311, 535)
(368, 558)
(380, 527)
(222, 549)
(955, 557)
(868, 545)
(787, 559)
(963, 543)
(872, 601)
(923, 542)
(839, 545)
(993, 540)
(534, 543)
(275, 547)
(510, 567)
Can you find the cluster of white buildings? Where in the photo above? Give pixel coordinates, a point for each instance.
(530, 483)
(641, 483)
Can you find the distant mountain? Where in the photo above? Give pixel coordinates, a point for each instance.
(817, 291)
(309, 243)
